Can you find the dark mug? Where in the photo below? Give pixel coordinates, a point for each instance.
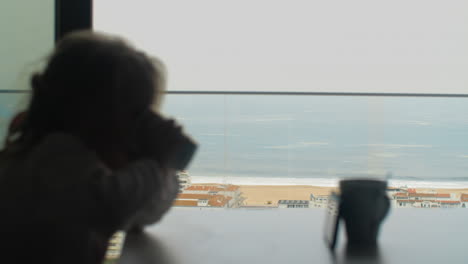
(364, 204)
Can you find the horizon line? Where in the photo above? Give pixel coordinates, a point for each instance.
(220, 92)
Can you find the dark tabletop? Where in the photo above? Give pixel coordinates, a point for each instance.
(195, 235)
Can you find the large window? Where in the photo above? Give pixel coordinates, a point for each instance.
(244, 78)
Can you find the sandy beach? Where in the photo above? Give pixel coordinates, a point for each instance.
(265, 195)
(268, 195)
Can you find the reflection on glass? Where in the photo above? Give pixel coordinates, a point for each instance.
(10, 103)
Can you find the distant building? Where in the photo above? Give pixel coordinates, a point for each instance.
(226, 190)
(293, 204)
(220, 201)
(424, 200)
(319, 201)
(392, 190)
(185, 203)
(430, 204)
(223, 189)
(400, 196)
(203, 200)
(430, 196)
(115, 245)
(184, 180)
(194, 199)
(464, 200)
(404, 203)
(449, 204)
(425, 204)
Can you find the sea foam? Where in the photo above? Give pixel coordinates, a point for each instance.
(325, 182)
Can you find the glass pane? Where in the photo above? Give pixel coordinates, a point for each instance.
(27, 36)
(252, 140)
(10, 104)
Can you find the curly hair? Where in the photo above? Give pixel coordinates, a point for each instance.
(93, 86)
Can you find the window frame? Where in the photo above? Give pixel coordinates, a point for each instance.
(71, 15)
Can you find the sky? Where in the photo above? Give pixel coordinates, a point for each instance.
(400, 46)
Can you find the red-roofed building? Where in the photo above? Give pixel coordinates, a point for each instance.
(185, 203)
(400, 196)
(192, 200)
(464, 200)
(425, 200)
(203, 200)
(464, 197)
(430, 196)
(219, 201)
(190, 196)
(226, 190)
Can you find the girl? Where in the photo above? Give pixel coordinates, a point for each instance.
(88, 157)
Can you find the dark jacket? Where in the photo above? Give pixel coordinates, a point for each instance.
(60, 204)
